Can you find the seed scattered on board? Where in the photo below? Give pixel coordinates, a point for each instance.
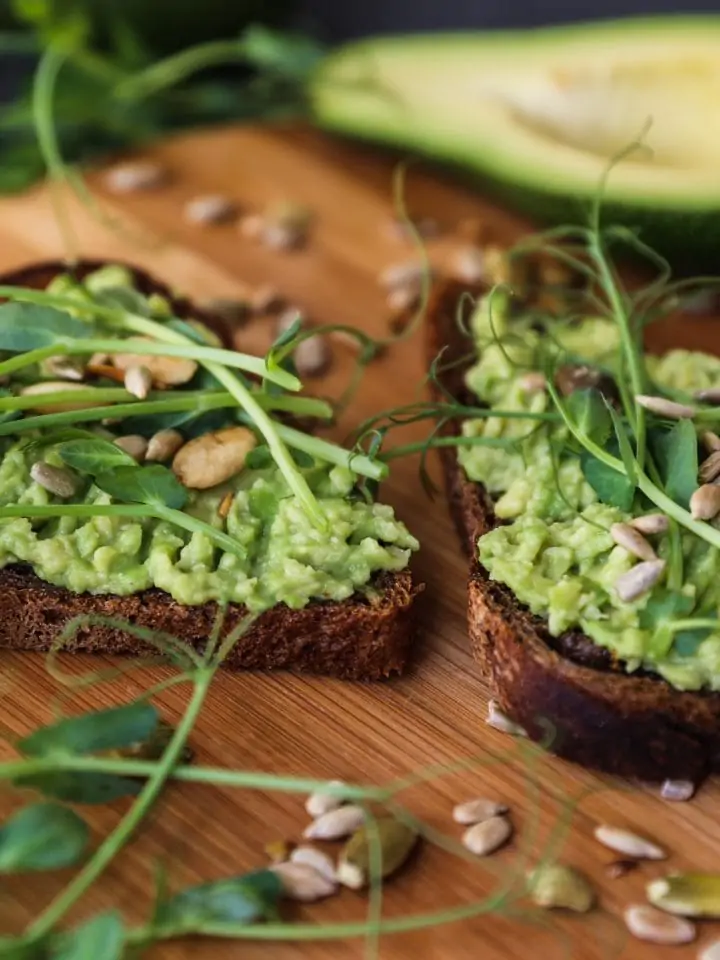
(628, 843)
(654, 926)
(396, 841)
(303, 883)
(487, 836)
(136, 176)
(475, 811)
(56, 480)
(312, 356)
(639, 579)
(677, 790)
(687, 894)
(710, 952)
(499, 720)
(317, 859)
(617, 869)
(320, 802)
(558, 886)
(335, 824)
(210, 208)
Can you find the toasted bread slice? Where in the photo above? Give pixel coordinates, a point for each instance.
(565, 690)
(362, 638)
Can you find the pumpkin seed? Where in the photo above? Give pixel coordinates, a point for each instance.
(55, 480)
(317, 859)
(165, 371)
(665, 408)
(555, 885)
(319, 803)
(56, 386)
(628, 843)
(213, 457)
(710, 468)
(651, 523)
(211, 208)
(138, 381)
(303, 883)
(396, 840)
(638, 580)
(138, 175)
(335, 824)
(687, 894)
(163, 445)
(475, 811)
(711, 951)
(654, 926)
(66, 368)
(134, 445)
(677, 790)
(487, 836)
(501, 721)
(630, 539)
(711, 440)
(312, 356)
(705, 502)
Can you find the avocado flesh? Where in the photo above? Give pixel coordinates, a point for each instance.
(542, 112)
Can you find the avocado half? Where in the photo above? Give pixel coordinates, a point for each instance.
(540, 113)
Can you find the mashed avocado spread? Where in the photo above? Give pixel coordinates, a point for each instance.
(554, 550)
(284, 557)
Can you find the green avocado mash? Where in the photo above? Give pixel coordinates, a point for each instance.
(285, 557)
(555, 551)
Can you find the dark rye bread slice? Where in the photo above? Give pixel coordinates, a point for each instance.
(633, 725)
(362, 638)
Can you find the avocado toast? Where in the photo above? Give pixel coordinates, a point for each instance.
(610, 675)
(326, 577)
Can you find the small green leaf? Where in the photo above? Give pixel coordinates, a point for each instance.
(611, 487)
(81, 787)
(154, 485)
(12, 948)
(94, 456)
(44, 836)
(293, 55)
(100, 938)
(260, 458)
(623, 445)
(93, 732)
(676, 455)
(664, 605)
(589, 411)
(232, 900)
(686, 642)
(27, 326)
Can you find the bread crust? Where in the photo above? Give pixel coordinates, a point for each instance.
(361, 638)
(564, 691)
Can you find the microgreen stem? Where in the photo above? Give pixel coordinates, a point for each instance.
(331, 453)
(700, 623)
(174, 69)
(116, 840)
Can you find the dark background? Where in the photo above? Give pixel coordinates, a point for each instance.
(340, 19)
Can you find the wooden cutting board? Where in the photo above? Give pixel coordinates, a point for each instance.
(322, 728)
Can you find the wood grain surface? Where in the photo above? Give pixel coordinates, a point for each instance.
(308, 726)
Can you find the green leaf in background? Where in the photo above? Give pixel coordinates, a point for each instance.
(676, 455)
(81, 787)
(100, 938)
(590, 412)
(92, 732)
(245, 899)
(289, 54)
(154, 485)
(94, 456)
(28, 326)
(44, 836)
(12, 948)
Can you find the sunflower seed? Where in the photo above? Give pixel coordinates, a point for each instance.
(501, 721)
(130, 177)
(630, 539)
(571, 377)
(66, 368)
(533, 382)
(403, 298)
(705, 502)
(287, 319)
(212, 208)
(710, 440)
(285, 226)
(317, 859)
(55, 480)
(475, 811)
(687, 894)
(487, 836)
(335, 824)
(555, 885)
(396, 841)
(654, 926)
(638, 580)
(468, 264)
(252, 226)
(651, 523)
(710, 468)
(134, 445)
(677, 790)
(710, 395)
(666, 408)
(319, 803)
(620, 868)
(398, 229)
(163, 445)
(312, 356)
(303, 883)
(711, 951)
(213, 457)
(265, 299)
(628, 843)
(138, 381)
(409, 273)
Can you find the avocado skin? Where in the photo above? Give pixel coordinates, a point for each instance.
(687, 235)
